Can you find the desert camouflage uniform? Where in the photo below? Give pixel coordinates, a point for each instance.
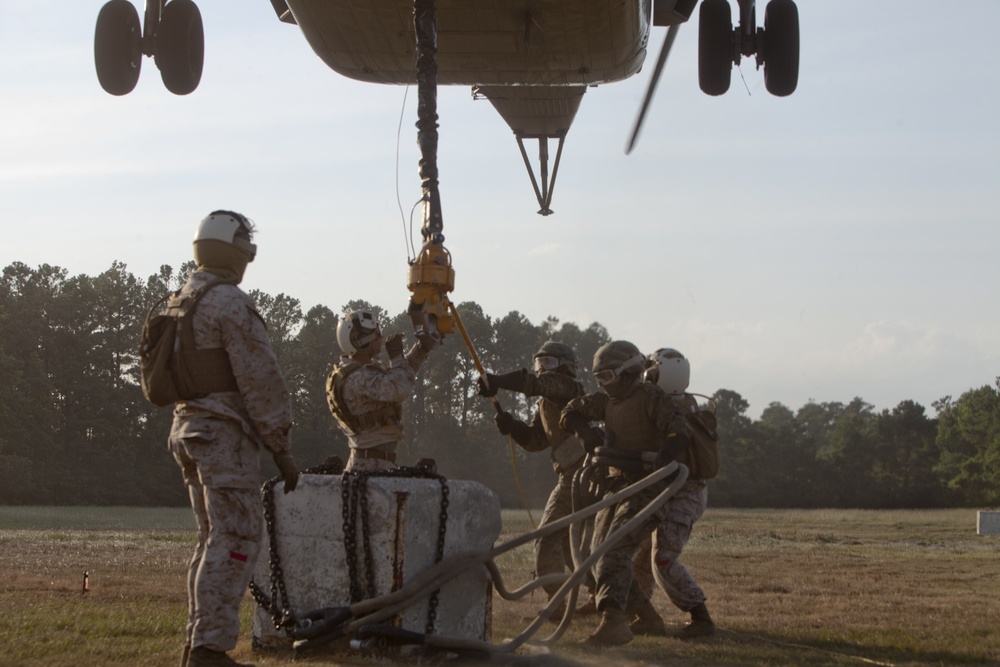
(552, 551)
(613, 572)
(216, 441)
(670, 537)
(367, 389)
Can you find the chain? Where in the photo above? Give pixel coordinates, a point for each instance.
(349, 514)
(432, 603)
(366, 537)
(362, 498)
(277, 604)
(354, 492)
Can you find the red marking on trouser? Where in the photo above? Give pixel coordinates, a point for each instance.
(663, 564)
(238, 556)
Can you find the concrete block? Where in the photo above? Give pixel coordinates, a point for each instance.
(403, 520)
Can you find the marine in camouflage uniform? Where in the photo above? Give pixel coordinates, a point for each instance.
(366, 397)
(216, 440)
(554, 382)
(671, 372)
(639, 417)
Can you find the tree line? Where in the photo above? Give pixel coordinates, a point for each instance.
(75, 428)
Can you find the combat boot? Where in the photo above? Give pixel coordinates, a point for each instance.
(613, 629)
(647, 621)
(205, 657)
(701, 624)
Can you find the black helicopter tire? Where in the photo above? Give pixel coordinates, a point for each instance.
(715, 46)
(180, 46)
(118, 47)
(781, 47)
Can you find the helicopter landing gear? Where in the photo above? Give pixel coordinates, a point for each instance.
(776, 45)
(172, 34)
(715, 46)
(118, 47)
(781, 47)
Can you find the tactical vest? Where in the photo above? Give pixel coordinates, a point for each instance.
(628, 419)
(172, 367)
(387, 413)
(567, 450)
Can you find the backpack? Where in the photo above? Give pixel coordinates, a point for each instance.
(702, 459)
(171, 368)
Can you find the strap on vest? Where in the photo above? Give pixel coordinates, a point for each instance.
(205, 371)
(388, 414)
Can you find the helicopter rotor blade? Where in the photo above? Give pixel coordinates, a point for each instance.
(668, 42)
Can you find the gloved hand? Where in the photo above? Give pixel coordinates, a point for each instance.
(427, 340)
(513, 381)
(674, 446)
(289, 471)
(510, 425)
(592, 438)
(394, 345)
(505, 422)
(487, 388)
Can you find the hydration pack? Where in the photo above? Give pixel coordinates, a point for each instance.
(172, 369)
(702, 458)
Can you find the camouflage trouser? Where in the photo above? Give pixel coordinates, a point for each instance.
(357, 464)
(613, 571)
(663, 549)
(552, 551)
(229, 527)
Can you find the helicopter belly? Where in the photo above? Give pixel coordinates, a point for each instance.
(488, 42)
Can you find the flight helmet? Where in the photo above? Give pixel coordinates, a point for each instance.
(357, 330)
(669, 370)
(223, 244)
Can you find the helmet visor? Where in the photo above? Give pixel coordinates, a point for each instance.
(546, 363)
(246, 246)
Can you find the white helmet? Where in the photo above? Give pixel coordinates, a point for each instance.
(357, 330)
(228, 227)
(669, 370)
(223, 245)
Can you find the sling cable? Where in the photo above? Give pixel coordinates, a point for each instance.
(431, 275)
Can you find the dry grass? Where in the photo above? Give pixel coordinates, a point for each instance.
(824, 587)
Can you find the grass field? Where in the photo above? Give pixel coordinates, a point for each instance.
(786, 587)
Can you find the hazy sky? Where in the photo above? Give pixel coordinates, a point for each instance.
(840, 242)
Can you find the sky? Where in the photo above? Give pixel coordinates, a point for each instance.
(841, 242)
